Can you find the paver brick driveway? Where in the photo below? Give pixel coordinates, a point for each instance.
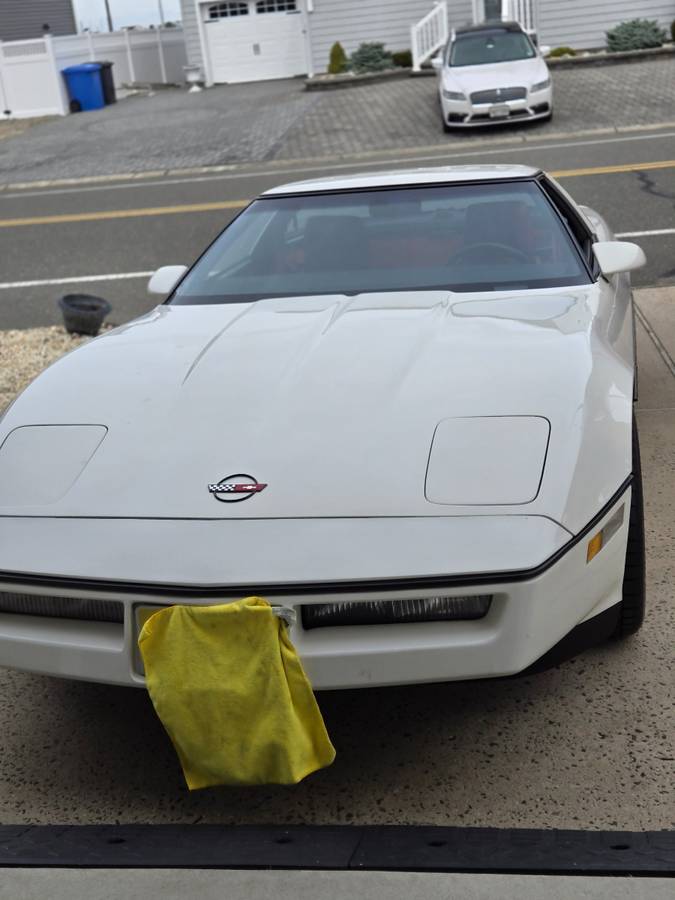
(280, 121)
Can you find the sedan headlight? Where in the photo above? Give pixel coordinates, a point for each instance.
(453, 95)
(541, 85)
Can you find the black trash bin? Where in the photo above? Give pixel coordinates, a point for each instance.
(107, 81)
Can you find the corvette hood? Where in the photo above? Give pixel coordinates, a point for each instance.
(333, 403)
(521, 73)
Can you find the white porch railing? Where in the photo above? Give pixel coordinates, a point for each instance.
(522, 11)
(429, 34)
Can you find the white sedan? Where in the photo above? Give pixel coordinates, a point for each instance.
(399, 405)
(491, 74)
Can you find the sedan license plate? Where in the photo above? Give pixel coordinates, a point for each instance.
(499, 112)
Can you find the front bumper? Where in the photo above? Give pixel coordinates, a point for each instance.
(529, 615)
(464, 114)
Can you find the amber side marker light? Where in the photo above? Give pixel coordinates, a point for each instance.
(606, 533)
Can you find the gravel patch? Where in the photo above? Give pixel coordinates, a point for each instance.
(13, 127)
(25, 353)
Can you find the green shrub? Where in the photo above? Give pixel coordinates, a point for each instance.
(562, 51)
(672, 30)
(370, 58)
(338, 59)
(403, 58)
(638, 34)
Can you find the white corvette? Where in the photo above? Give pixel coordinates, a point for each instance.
(399, 404)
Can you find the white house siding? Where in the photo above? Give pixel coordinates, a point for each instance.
(582, 25)
(349, 21)
(25, 19)
(353, 21)
(460, 12)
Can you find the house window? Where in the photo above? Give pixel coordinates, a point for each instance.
(272, 6)
(227, 10)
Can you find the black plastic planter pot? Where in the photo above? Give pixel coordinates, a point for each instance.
(83, 314)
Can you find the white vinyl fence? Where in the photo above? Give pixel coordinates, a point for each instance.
(31, 83)
(429, 34)
(149, 55)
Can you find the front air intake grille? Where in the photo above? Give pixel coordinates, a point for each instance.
(61, 607)
(500, 95)
(392, 612)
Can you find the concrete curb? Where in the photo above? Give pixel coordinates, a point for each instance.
(610, 59)
(337, 82)
(177, 884)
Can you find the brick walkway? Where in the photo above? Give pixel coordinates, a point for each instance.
(279, 120)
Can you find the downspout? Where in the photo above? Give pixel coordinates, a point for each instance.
(206, 60)
(308, 7)
(61, 95)
(3, 97)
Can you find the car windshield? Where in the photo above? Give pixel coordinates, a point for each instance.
(483, 48)
(491, 236)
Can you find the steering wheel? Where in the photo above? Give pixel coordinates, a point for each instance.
(473, 250)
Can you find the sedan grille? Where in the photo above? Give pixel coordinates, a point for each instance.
(62, 607)
(500, 95)
(391, 612)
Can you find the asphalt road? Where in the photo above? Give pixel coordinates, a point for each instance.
(135, 225)
(588, 745)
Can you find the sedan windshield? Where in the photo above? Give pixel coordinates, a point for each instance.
(488, 236)
(483, 48)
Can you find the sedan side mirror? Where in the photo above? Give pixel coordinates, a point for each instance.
(164, 280)
(618, 256)
(437, 63)
(545, 50)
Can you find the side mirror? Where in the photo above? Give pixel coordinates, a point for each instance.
(618, 256)
(164, 280)
(437, 63)
(545, 50)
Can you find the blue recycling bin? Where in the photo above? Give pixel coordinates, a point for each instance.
(85, 86)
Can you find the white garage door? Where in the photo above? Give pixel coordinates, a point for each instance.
(253, 40)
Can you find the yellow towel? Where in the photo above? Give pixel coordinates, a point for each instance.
(231, 692)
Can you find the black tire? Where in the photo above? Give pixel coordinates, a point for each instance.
(632, 609)
(446, 128)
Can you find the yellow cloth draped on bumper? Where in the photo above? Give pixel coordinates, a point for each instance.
(231, 692)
